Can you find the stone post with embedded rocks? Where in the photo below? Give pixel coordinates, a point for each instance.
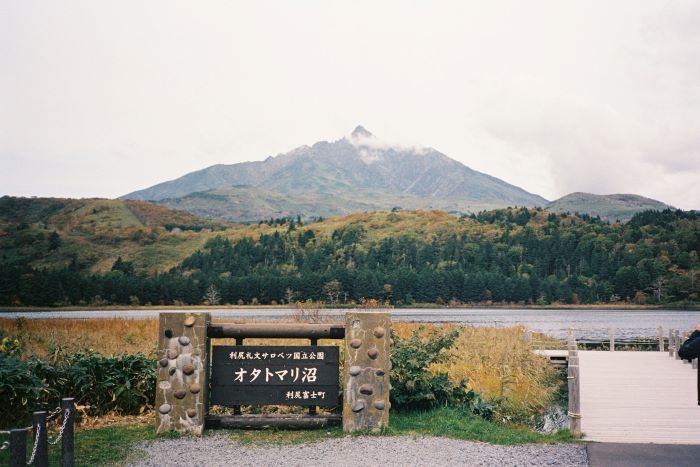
(367, 366)
(181, 387)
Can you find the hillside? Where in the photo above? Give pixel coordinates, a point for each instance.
(93, 233)
(507, 255)
(328, 178)
(611, 208)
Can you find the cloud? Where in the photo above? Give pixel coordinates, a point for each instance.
(630, 126)
(599, 149)
(551, 96)
(370, 145)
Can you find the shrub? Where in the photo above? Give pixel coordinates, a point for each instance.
(414, 386)
(20, 390)
(123, 384)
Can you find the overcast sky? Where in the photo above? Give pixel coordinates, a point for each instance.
(101, 98)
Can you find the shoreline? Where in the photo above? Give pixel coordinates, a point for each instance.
(425, 306)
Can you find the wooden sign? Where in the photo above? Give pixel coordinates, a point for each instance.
(274, 375)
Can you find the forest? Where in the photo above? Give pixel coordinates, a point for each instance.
(507, 256)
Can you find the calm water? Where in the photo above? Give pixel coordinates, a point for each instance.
(591, 325)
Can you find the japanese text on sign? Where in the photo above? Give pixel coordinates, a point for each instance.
(277, 356)
(308, 375)
(281, 375)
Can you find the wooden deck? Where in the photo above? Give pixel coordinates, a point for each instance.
(555, 357)
(638, 397)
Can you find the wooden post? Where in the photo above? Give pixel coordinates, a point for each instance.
(42, 449)
(678, 344)
(574, 398)
(67, 442)
(236, 408)
(18, 447)
(661, 339)
(670, 342)
(312, 408)
(695, 364)
(611, 333)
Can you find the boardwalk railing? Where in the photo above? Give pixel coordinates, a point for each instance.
(574, 385)
(39, 457)
(676, 339)
(615, 341)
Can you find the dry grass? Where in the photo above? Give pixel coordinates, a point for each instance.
(499, 364)
(112, 420)
(47, 338)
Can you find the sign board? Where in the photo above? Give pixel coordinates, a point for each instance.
(274, 375)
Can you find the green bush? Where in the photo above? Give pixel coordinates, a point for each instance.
(123, 384)
(20, 389)
(414, 387)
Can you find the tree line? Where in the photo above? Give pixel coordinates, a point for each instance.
(515, 256)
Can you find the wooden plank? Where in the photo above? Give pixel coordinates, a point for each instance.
(281, 330)
(553, 353)
(638, 397)
(263, 421)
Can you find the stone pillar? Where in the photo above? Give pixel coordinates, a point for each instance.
(182, 382)
(367, 365)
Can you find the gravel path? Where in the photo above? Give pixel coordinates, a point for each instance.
(354, 451)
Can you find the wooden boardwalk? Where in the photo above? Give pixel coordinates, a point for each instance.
(638, 397)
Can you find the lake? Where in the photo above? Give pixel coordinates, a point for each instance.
(588, 325)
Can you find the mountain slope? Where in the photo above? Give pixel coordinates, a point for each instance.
(331, 176)
(245, 203)
(507, 255)
(93, 233)
(608, 207)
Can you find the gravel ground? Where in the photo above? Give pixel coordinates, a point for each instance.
(354, 451)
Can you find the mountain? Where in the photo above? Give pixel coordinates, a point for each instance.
(616, 207)
(354, 173)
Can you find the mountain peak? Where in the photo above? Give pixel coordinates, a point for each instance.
(356, 173)
(361, 132)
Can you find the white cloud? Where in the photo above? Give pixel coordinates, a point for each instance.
(371, 146)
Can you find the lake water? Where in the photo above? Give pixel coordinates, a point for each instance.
(588, 325)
